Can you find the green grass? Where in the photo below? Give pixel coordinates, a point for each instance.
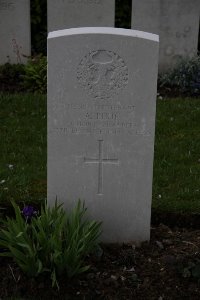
(176, 185)
(22, 148)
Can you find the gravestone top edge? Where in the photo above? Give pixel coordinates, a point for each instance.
(104, 30)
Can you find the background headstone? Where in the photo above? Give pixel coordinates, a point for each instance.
(15, 31)
(101, 119)
(175, 21)
(64, 14)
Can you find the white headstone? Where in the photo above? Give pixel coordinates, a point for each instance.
(64, 14)
(101, 119)
(15, 31)
(175, 21)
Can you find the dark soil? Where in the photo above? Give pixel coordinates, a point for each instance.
(165, 268)
(11, 78)
(173, 92)
(175, 219)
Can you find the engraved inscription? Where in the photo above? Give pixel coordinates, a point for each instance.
(95, 107)
(85, 1)
(101, 161)
(102, 74)
(97, 119)
(101, 119)
(6, 5)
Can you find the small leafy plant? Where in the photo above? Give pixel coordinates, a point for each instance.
(35, 78)
(55, 242)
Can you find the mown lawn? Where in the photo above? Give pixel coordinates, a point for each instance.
(23, 148)
(176, 185)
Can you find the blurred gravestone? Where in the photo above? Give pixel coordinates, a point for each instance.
(15, 32)
(64, 14)
(175, 21)
(101, 121)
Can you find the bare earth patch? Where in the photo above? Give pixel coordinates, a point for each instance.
(162, 269)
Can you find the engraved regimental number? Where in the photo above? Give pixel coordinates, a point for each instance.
(102, 74)
(101, 161)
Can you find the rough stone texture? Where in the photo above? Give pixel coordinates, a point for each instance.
(15, 31)
(101, 119)
(64, 14)
(175, 21)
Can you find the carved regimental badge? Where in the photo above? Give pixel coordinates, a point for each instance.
(102, 73)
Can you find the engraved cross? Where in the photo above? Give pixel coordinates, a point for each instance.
(101, 161)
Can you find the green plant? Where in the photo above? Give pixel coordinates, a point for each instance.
(185, 77)
(35, 78)
(55, 242)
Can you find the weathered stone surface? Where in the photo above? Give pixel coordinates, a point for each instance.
(101, 119)
(64, 14)
(175, 21)
(15, 31)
